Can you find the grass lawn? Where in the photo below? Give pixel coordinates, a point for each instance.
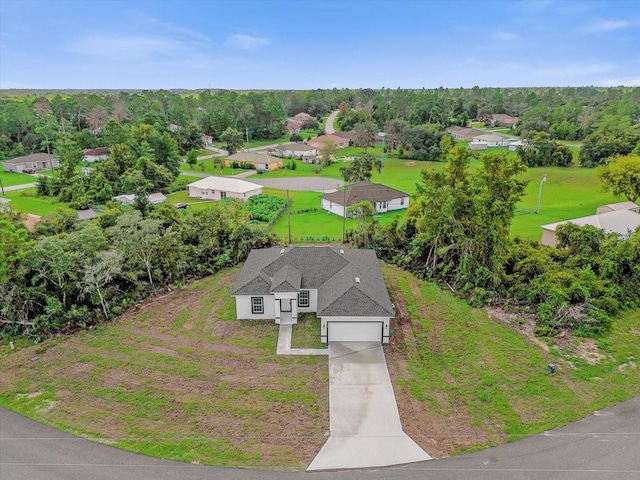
(26, 201)
(10, 179)
(180, 378)
(568, 193)
(185, 169)
(465, 381)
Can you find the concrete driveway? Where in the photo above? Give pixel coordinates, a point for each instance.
(365, 428)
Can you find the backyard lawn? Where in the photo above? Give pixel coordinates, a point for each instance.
(10, 179)
(26, 201)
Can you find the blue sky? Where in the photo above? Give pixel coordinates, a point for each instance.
(307, 44)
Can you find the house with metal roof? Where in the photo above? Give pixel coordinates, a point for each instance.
(343, 286)
(217, 188)
(383, 198)
(622, 222)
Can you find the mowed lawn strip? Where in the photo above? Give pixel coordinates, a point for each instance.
(465, 381)
(179, 378)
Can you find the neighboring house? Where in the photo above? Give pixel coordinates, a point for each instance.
(338, 141)
(343, 286)
(34, 162)
(156, 198)
(491, 139)
(614, 207)
(4, 204)
(217, 188)
(87, 214)
(95, 154)
(349, 134)
(207, 140)
(129, 199)
(292, 126)
(621, 222)
(383, 198)
(302, 117)
(504, 119)
(464, 134)
(259, 161)
(306, 153)
(477, 145)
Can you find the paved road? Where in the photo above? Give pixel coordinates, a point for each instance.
(328, 125)
(22, 186)
(605, 445)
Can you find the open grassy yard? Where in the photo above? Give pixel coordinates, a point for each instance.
(179, 378)
(28, 202)
(464, 380)
(10, 179)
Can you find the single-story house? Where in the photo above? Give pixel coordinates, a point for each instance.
(343, 286)
(614, 207)
(156, 198)
(491, 139)
(621, 222)
(4, 204)
(217, 188)
(306, 153)
(464, 134)
(292, 126)
(125, 199)
(207, 140)
(87, 214)
(504, 119)
(35, 162)
(320, 141)
(260, 161)
(477, 145)
(383, 198)
(95, 154)
(349, 134)
(128, 199)
(302, 117)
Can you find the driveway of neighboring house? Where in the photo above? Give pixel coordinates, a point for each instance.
(365, 428)
(316, 184)
(328, 125)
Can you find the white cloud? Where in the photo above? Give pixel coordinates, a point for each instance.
(507, 36)
(246, 42)
(606, 26)
(125, 47)
(627, 82)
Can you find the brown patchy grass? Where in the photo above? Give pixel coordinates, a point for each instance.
(180, 378)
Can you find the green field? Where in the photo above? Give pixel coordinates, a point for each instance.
(10, 179)
(26, 201)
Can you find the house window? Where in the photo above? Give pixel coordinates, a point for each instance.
(401, 200)
(223, 194)
(257, 305)
(303, 298)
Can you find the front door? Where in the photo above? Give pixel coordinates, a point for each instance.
(285, 304)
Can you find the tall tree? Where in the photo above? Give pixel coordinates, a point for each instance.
(365, 135)
(361, 168)
(621, 175)
(232, 139)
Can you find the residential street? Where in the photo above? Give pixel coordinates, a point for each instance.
(604, 445)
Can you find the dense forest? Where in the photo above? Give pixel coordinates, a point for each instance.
(66, 275)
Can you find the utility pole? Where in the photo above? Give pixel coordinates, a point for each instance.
(289, 216)
(247, 130)
(542, 180)
(344, 212)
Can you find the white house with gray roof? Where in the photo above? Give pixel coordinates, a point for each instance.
(343, 286)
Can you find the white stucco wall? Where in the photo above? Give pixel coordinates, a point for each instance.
(243, 307)
(207, 194)
(333, 207)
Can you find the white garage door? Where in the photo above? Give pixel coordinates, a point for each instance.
(355, 331)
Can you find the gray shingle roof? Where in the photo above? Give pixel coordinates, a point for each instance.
(326, 269)
(357, 192)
